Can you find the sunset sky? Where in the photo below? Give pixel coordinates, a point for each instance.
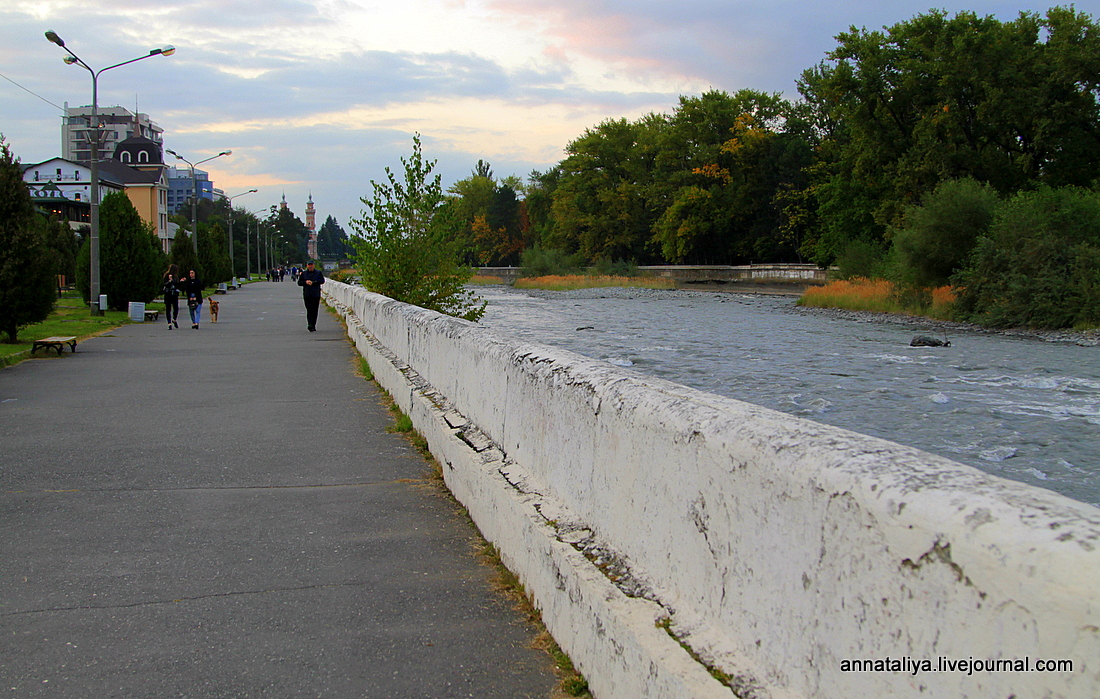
(320, 95)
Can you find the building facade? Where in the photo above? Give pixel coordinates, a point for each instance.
(180, 186)
(139, 165)
(64, 188)
(116, 125)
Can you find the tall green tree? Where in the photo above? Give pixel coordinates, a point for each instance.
(1012, 104)
(407, 245)
(183, 256)
(130, 258)
(332, 241)
(213, 255)
(27, 285)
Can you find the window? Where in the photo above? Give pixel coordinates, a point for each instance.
(143, 156)
(125, 156)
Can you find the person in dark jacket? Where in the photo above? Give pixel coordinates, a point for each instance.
(311, 280)
(171, 296)
(191, 287)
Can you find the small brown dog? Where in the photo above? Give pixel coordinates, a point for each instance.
(213, 309)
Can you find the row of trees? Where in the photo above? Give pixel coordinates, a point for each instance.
(1005, 110)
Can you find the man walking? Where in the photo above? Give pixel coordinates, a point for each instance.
(311, 280)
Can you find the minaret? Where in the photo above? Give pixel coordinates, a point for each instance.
(311, 224)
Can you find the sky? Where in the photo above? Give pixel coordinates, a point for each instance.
(318, 97)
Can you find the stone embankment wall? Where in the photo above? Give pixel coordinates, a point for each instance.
(680, 544)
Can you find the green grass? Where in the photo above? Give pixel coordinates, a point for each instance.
(70, 317)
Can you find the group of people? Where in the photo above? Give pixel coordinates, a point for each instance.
(190, 287)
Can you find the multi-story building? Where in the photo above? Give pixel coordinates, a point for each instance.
(116, 125)
(180, 186)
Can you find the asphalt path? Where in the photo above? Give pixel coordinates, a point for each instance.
(220, 513)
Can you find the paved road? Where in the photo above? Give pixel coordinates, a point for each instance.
(220, 513)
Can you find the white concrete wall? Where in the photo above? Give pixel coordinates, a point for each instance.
(776, 547)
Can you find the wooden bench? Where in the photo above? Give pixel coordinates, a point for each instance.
(151, 315)
(58, 343)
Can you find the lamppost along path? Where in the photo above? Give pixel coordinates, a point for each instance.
(229, 226)
(195, 193)
(93, 243)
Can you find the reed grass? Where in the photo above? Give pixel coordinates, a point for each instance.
(880, 296)
(568, 282)
(485, 279)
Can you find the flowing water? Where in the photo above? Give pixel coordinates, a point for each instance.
(1015, 407)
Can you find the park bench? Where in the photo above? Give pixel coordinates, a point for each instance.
(58, 343)
(151, 315)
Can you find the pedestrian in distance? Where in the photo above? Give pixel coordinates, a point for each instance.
(171, 296)
(191, 287)
(311, 280)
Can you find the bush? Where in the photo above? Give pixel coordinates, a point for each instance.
(606, 267)
(130, 259)
(862, 259)
(1038, 266)
(936, 238)
(545, 262)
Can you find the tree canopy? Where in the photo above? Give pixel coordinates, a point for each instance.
(27, 286)
(407, 245)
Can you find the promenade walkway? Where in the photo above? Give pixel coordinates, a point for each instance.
(221, 513)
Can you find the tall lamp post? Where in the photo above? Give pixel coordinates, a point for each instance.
(195, 193)
(229, 225)
(93, 246)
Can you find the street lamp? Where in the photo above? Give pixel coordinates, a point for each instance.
(95, 140)
(195, 193)
(229, 223)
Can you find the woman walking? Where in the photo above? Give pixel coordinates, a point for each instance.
(171, 296)
(192, 287)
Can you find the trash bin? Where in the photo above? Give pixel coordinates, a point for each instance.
(137, 311)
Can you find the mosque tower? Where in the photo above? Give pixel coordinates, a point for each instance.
(311, 224)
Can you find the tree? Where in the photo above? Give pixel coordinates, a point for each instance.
(130, 259)
(935, 239)
(64, 244)
(27, 286)
(183, 256)
(940, 97)
(1039, 265)
(406, 242)
(332, 241)
(213, 256)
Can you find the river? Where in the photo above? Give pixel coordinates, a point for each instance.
(1017, 407)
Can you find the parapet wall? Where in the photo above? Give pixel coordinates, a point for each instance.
(665, 532)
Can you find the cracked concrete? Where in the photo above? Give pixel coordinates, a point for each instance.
(221, 513)
(811, 545)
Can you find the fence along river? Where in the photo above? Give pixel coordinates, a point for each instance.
(1015, 407)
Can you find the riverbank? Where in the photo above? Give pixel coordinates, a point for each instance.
(931, 326)
(920, 324)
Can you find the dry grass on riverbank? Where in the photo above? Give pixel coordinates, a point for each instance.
(485, 279)
(555, 282)
(879, 296)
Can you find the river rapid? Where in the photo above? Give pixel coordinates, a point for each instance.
(1013, 406)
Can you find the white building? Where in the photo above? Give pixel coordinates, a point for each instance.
(64, 187)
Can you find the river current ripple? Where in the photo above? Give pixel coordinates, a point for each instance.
(1015, 407)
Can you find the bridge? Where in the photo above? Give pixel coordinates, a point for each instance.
(683, 545)
(684, 274)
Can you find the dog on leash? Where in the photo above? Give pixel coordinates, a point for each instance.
(213, 309)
